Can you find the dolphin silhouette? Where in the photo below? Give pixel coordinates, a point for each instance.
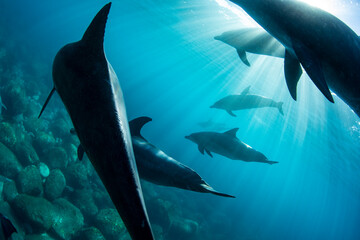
(227, 145)
(246, 101)
(253, 40)
(92, 95)
(326, 48)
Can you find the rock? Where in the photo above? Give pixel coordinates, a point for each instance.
(76, 175)
(56, 157)
(182, 229)
(69, 219)
(7, 134)
(90, 233)
(26, 153)
(29, 181)
(9, 191)
(14, 97)
(84, 200)
(9, 165)
(38, 212)
(43, 236)
(110, 224)
(44, 170)
(158, 212)
(54, 184)
(102, 198)
(43, 140)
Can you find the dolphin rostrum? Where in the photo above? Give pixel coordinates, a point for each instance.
(92, 95)
(246, 101)
(326, 48)
(157, 167)
(227, 145)
(252, 40)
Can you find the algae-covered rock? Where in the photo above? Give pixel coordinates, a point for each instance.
(68, 221)
(56, 157)
(43, 141)
(26, 153)
(54, 184)
(7, 134)
(76, 175)
(110, 224)
(158, 212)
(90, 233)
(43, 236)
(84, 200)
(9, 191)
(9, 165)
(14, 97)
(29, 181)
(102, 198)
(181, 228)
(38, 212)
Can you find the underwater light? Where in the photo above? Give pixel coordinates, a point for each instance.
(327, 5)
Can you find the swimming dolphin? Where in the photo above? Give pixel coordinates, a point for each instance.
(245, 101)
(252, 40)
(92, 95)
(326, 48)
(227, 145)
(7, 228)
(157, 167)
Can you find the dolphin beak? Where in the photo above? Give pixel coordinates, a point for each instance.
(187, 137)
(213, 106)
(217, 37)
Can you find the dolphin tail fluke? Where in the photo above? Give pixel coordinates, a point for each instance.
(94, 34)
(47, 101)
(137, 124)
(271, 162)
(209, 189)
(279, 106)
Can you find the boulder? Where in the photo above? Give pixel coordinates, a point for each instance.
(55, 184)
(29, 181)
(84, 200)
(38, 212)
(25, 153)
(7, 134)
(42, 236)
(56, 157)
(68, 221)
(9, 165)
(90, 233)
(9, 191)
(44, 170)
(43, 141)
(110, 224)
(76, 175)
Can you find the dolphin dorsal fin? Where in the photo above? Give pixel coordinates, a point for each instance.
(137, 124)
(94, 34)
(47, 101)
(232, 132)
(246, 91)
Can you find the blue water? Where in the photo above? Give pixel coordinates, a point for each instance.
(172, 70)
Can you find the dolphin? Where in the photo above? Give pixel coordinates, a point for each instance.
(245, 101)
(157, 167)
(7, 228)
(252, 40)
(227, 145)
(91, 93)
(322, 44)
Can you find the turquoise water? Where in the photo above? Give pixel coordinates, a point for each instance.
(172, 70)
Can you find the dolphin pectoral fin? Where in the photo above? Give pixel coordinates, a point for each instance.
(137, 124)
(243, 57)
(46, 101)
(201, 149)
(231, 113)
(209, 189)
(80, 152)
(313, 68)
(245, 91)
(293, 72)
(232, 132)
(7, 226)
(208, 152)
